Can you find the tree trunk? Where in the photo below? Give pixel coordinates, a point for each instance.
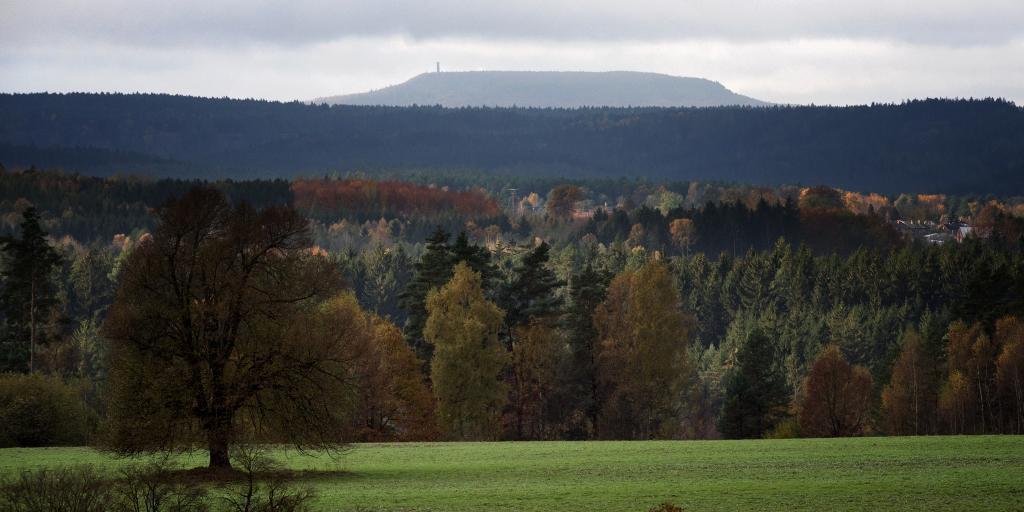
(32, 328)
(217, 442)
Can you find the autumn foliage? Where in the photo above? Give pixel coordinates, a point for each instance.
(836, 397)
(642, 364)
(1010, 372)
(393, 400)
(909, 401)
(468, 358)
(359, 197)
(561, 200)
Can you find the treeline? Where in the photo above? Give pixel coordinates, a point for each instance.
(734, 228)
(91, 209)
(660, 321)
(362, 199)
(950, 146)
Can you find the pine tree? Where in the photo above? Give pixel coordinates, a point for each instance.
(756, 393)
(29, 293)
(477, 257)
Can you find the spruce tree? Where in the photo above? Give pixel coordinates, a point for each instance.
(477, 257)
(586, 291)
(756, 393)
(530, 292)
(432, 271)
(29, 294)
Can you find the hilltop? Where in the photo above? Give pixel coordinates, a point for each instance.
(556, 89)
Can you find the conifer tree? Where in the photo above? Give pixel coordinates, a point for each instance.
(29, 293)
(586, 291)
(432, 271)
(530, 292)
(756, 393)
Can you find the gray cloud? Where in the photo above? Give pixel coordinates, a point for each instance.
(296, 22)
(777, 50)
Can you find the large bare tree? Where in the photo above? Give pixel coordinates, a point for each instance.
(219, 334)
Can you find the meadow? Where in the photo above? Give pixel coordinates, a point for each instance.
(894, 473)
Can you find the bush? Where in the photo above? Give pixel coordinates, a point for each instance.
(667, 507)
(72, 489)
(265, 488)
(40, 410)
(788, 428)
(152, 488)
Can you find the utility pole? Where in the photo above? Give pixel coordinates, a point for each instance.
(513, 205)
(439, 66)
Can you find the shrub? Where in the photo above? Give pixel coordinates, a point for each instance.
(667, 507)
(152, 488)
(788, 428)
(70, 489)
(265, 488)
(40, 410)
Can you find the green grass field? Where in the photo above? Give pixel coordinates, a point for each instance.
(922, 473)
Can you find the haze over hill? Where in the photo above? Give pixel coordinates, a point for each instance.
(567, 89)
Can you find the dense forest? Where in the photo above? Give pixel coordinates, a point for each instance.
(930, 146)
(453, 313)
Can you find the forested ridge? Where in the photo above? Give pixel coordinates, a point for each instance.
(948, 146)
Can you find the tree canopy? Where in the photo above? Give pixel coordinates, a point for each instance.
(219, 334)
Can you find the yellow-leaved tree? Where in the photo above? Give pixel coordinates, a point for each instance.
(463, 327)
(643, 370)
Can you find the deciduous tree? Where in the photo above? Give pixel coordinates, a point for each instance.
(539, 353)
(463, 327)
(909, 401)
(218, 334)
(562, 200)
(393, 401)
(836, 399)
(1010, 372)
(642, 364)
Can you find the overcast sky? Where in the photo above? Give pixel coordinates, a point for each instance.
(821, 51)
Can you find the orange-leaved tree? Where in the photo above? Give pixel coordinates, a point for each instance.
(836, 398)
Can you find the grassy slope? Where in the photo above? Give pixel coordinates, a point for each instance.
(928, 473)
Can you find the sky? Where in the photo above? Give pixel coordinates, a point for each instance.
(784, 51)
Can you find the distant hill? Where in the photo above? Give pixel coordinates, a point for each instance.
(950, 146)
(564, 89)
